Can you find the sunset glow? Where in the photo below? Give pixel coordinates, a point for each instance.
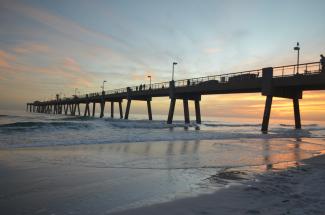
(48, 48)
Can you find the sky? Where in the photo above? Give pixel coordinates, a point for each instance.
(49, 47)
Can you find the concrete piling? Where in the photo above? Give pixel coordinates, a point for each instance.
(149, 109)
(197, 111)
(112, 109)
(296, 113)
(171, 111)
(186, 111)
(128, 106)
(102, 107)
(121, 110)
(94, 108)
(267, 112)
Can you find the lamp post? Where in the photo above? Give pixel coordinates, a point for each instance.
(297, 48)
(103, 85)
(174, 63)
(149, 76)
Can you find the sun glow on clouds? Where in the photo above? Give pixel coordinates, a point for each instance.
(212, 50)
(27, 48)
(5, 59)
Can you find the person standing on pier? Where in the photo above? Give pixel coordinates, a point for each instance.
(322, 62)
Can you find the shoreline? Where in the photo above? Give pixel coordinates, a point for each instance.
(297, 190)
(109, 178)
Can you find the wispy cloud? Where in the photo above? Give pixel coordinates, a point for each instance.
(56, 22)
(31, 47)
(5, 59)
(211, 50)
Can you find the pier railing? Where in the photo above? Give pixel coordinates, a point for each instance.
(223, 78)
(279, 71)
(302, 69)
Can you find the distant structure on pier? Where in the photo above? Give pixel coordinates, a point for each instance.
(281, 81)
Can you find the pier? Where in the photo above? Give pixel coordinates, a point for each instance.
(281, 81)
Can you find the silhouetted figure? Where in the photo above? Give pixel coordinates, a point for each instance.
(136, 88)
(322, 62)
(144, 87)
(188, 82)
(140, 88)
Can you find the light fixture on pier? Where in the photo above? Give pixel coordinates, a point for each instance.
(174, 63)
(103, 85)
(297, 48)
(149, 76)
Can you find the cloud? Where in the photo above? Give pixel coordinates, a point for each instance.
(59, 23)
(5, 59)
(143, 76)
(77, 36)
(211, 50)
(71, 65)
(30, 47)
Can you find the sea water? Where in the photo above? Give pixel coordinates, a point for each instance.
(24, 129)
(145, 161)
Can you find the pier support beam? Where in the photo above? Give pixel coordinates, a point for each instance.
(149, 109)
(65, 109)
(74, 108)
(127, 111)
(267, 112)
(55, 109)
(171, 111)
(87, 111)
(78, 109)
(71, 108)
(186, 111)
(94, 108)
(296, 113)
(112, 109)
(197, 111)
(121, 110)
(102, 107)
(60, 108)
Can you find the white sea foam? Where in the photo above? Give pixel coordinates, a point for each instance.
(47, 130)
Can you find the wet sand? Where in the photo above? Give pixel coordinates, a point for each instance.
(107, 178)
(298, 190)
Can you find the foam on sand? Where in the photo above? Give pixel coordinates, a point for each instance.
(299, 190)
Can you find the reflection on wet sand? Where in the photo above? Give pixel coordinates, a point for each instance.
(272, 153)
(292, 156)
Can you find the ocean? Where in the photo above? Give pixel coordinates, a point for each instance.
(24, 129)
(132, 163)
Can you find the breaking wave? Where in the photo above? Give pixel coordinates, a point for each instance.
(40, 125)
(49, 130)
(230, 125)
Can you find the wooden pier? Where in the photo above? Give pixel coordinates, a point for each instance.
(281, 81)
